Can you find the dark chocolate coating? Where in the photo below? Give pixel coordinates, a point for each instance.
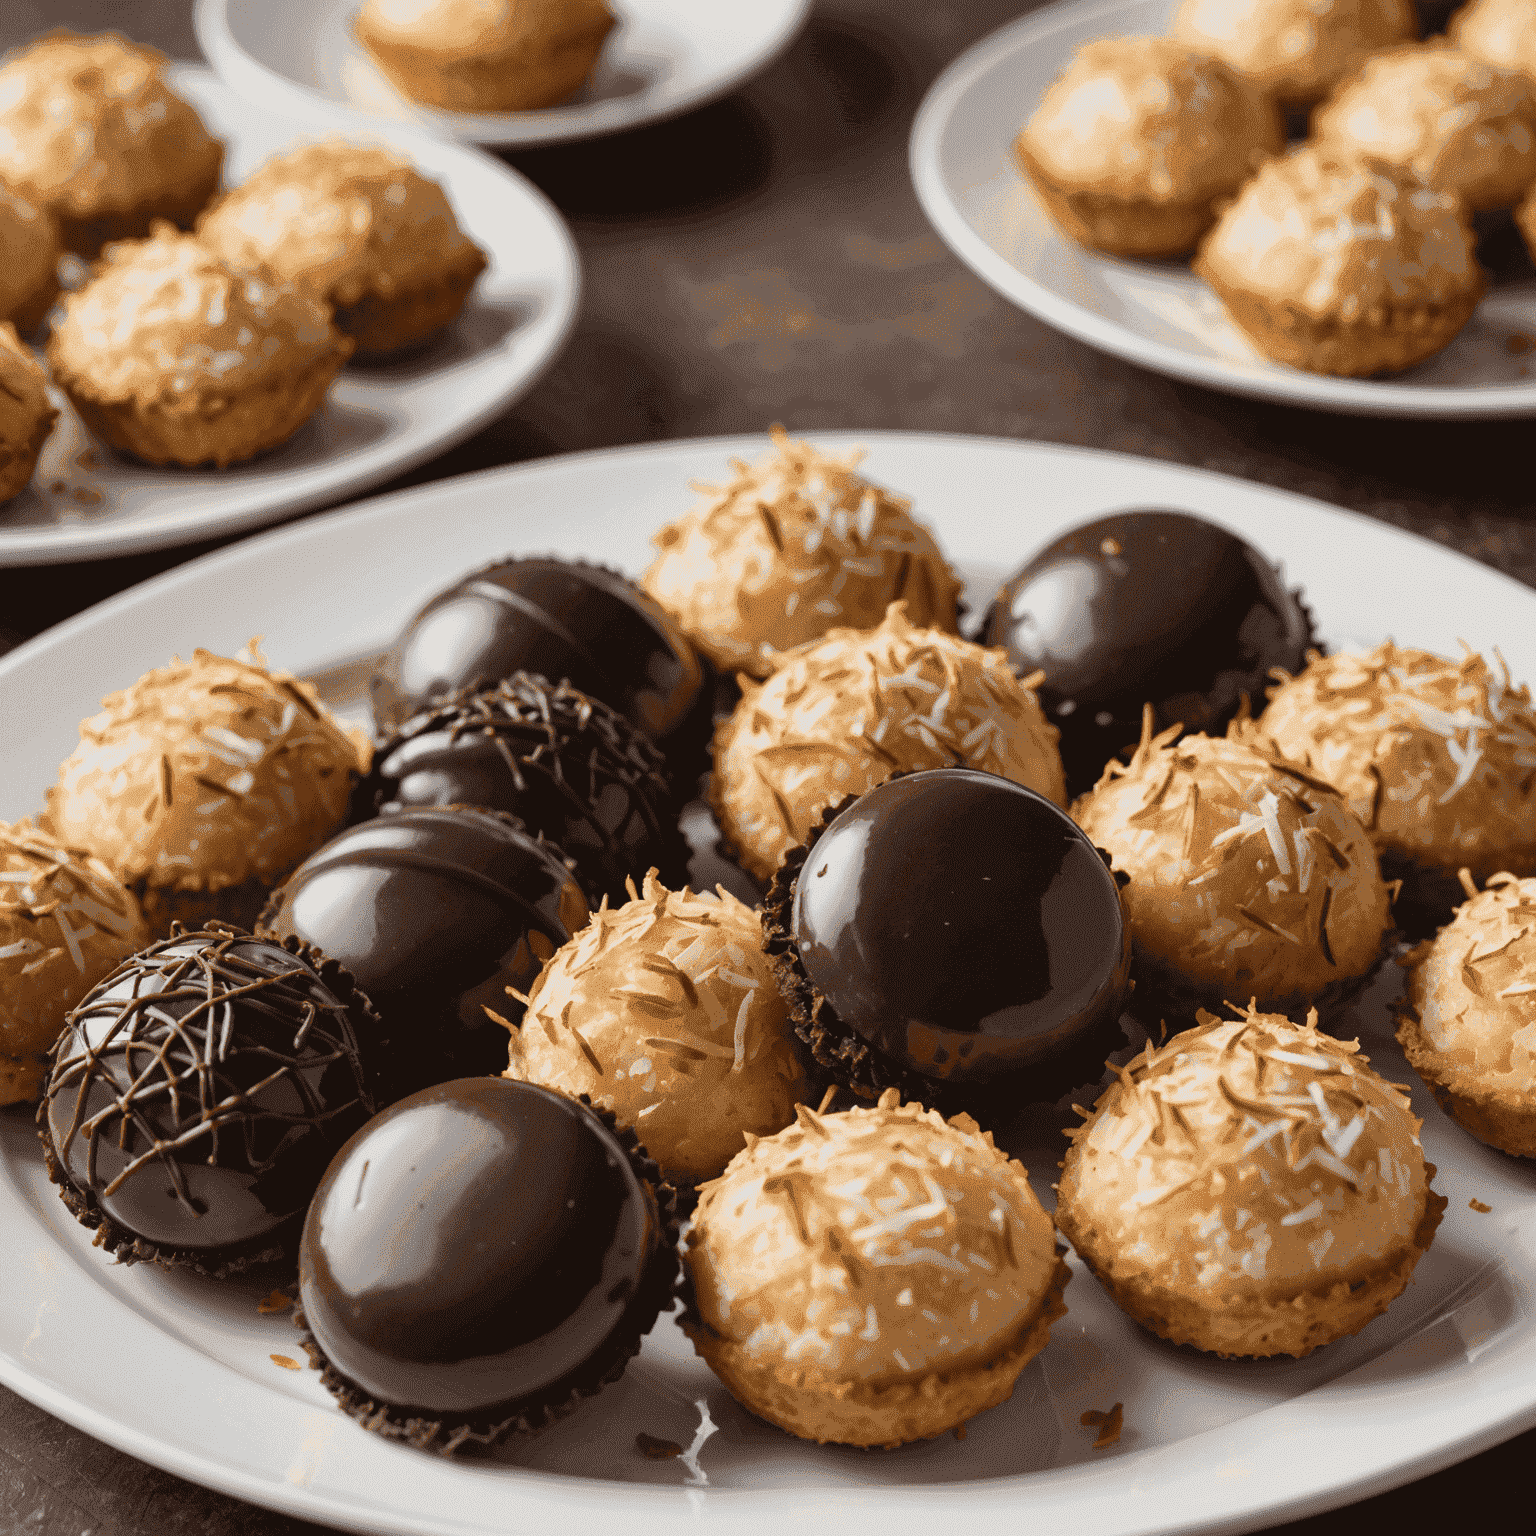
(1145, 607)
(562, 619)
(199, 1091)
(436, 911)
(567, 766)
(965, 927)
(474, 1246)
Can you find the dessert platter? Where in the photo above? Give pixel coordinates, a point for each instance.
(1047, 236)
(513, 301)
(661, 58)
(1298, 1279)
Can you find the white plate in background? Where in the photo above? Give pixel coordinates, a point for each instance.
(178, 1371)
(664, 57)
(378, 420)
(1155, 313)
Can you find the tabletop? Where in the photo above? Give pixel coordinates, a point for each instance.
(764, 259)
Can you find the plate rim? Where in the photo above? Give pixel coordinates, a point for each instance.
(1319, 392)
(995, 1501)
(247, 74)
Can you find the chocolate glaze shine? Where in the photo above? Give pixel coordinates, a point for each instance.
(1145, 607)
(965, 927)
(474, 1246)
(198, 1093)
(436, 911)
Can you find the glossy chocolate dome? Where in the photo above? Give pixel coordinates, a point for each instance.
(966, 929)
(567, 766)
(436, 911)
(475, 1246)
(198, 1093)
(561, 619)
(1145, 607)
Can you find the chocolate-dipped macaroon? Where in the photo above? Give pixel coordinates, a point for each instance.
(512, 1249)
(953, 935)
(436, 911)
(197, 1094)
(1145, 607)
(571, 769)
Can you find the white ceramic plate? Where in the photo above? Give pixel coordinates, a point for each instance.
(1154, 313)
(86, 502)
(180, 1373)
(665, 57)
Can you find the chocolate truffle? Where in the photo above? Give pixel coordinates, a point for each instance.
(1252, 1188)
(954, 935)
(790, 547)
(1139, 607)
(564, 620)
(1468, 1021)
(1436, 757)
(872, 1277)
(509, 1252)
(841, 714)
(436, 911)
(567, 766)
(204, 784)
(65, 921)
(666, 1013)
(198, 1093)
(27, 414)
(1248, 878)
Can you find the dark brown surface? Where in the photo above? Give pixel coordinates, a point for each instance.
(765, 259)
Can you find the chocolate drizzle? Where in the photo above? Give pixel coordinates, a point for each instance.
(566, 765)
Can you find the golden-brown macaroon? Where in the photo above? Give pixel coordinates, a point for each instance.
(65, 922)
(204, 785)
(29, 281)
(1501, 32)
(485, 55)
(1436, 757)
(1295, 50)
(794, 545)
(1251, 1188)
(170, 354)
(666, 1013)
(872, 1277)
(90, 131)
(843, 713)
(1339, 267)
(26, 413)
(1140, 140)
(1455, 123)
(1467, 1023)
(1248, 879)
(1525, 221)
(357, 227)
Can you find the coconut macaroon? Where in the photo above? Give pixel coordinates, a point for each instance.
(1468, 1021)
(27, 414)
(1333, 265)
(1252, 1188)
(872, 1277)
(65, 921)
(485, 55)
(1501, 32)
(1249, 879)
(205, 785)
(170, 354)
(1456, 123)
(793, 545)
(1140, 140)
(1436, 757)
(1295, 50)
(90, 131)
(29, 281)
(665, 1013)
(357, 227)
(845, 712)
